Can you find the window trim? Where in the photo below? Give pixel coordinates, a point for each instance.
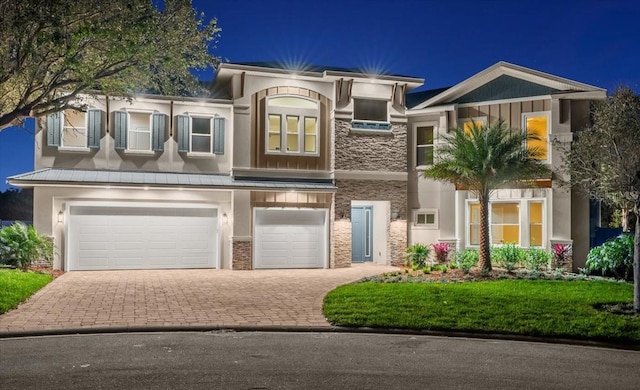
(546, 114)
(523, 221)
(67, 148)
(415, 142)
(284, 112)
(380, 126)
(130, 129)
(426, 226)
(210, 135)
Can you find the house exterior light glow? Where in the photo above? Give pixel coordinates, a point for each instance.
(312, 167)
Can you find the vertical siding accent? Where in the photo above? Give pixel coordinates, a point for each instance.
(538, 105)
(158, 132)
(182, 128)
(54, 129)
(120, 129)
(94, 128)
(505, 114)
(516, 111)
(218, 135)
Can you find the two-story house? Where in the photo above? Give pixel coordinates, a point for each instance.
(313, 168)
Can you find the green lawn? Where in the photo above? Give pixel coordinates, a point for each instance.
(521, 307)
(16, 286)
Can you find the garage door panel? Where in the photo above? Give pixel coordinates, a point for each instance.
(141, 238)
(290, 238)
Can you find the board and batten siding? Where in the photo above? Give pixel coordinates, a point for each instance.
(259, 157)
(511, 113)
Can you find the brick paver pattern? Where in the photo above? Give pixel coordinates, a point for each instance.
(204, 297)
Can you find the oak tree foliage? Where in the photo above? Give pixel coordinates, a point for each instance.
(53, 51)
(604, 161)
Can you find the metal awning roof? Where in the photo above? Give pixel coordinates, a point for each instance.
(94, 177)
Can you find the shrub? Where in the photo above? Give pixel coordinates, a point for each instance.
(613, 258)
(508, 256)
(417, 255)
(441, 250)
(21, 245)
(536, 258)
(466, 259)
(561, 254)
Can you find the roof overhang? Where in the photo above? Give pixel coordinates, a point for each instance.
(53, 177)
(504, 68)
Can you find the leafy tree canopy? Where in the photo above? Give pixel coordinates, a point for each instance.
(54, 51)
(605, 161)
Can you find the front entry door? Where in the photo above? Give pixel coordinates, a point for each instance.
(361, 233)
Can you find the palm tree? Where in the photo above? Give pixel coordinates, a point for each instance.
(483, 159)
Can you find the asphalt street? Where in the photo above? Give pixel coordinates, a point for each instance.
(264, 360)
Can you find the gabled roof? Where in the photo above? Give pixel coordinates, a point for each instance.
(505, 81)
(98, 177)
(415, 98)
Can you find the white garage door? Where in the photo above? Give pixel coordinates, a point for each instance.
(290, 238)
(118, 237)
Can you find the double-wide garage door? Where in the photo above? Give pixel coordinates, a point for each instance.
(290, 238)
(125, 237)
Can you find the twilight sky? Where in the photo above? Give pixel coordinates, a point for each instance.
(444, 42)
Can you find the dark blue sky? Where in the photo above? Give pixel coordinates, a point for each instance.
(444, 42)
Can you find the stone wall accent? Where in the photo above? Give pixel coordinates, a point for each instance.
(389, 190)
(371, 151)
(397, 241)
(241, 255)
(342, 244)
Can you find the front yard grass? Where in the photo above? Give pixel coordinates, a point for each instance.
(16, 286)
(550, 308)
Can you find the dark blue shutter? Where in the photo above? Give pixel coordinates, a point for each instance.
(158, 132)
(54, 129)
(120, 129)
(182, 125)
(218, 135)
(94, 128)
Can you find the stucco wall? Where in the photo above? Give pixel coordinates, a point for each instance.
(48, 201)
(107, 157)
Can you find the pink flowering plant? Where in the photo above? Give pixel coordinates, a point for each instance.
(561, 254)
(441, 251)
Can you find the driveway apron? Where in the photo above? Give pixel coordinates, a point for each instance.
(183, 298)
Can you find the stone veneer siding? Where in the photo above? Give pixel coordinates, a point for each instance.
(397, 241)
(394, 191)
(342, 244)
(241, 253)
(371, 151)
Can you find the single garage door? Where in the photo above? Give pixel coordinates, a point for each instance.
(125, 237)
(290, 238)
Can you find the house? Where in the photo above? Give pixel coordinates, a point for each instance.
(310, 168)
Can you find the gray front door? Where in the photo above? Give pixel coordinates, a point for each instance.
(361, 233)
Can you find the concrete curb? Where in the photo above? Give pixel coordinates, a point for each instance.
(319, 329)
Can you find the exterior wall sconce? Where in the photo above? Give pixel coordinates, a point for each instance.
(60, 216)
(395, 214)
(225, 218)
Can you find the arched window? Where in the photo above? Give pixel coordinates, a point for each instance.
(292, 125)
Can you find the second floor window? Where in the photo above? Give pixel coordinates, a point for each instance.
(370, 114)
(292, 126)
(537, 123)
(138, 131)
(201, 134)
(424, 145)
(75, 130)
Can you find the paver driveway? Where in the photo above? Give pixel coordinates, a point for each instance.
(183, 297)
